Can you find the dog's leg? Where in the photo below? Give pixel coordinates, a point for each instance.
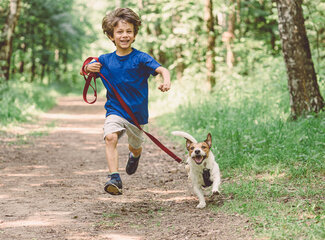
(200, 195)
(216, 180)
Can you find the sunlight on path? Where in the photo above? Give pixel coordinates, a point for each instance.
(120, 237)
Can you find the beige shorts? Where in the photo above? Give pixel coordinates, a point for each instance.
(117, 124)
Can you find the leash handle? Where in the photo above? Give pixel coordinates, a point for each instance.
(88, 79)
(123, 104)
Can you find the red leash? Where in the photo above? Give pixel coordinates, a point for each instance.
(125, 107)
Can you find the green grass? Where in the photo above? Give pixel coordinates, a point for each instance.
(273, 169)
(22, 101)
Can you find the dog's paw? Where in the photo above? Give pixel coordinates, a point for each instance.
(201, 205)
(215, 192)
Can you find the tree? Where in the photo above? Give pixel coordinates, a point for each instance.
(6, 38)
(48, 39)
(305, 96)
(229, 35)
(209, 21)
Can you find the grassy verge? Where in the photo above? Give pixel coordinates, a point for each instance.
(273, 169)
(21, 101)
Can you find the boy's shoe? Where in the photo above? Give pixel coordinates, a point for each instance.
(113, 186)
(132, 165)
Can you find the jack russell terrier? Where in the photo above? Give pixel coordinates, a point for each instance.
(203, 170)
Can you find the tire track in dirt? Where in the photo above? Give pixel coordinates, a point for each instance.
(52, 187)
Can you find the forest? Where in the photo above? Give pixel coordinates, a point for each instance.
(251, 72)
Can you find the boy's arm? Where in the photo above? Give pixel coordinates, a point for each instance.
(92, 67)
(165, 86)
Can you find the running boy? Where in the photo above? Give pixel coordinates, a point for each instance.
(128, 70)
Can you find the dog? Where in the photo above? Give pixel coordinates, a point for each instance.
(203, 170)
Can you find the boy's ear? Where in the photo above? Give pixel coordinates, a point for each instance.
(111, 38)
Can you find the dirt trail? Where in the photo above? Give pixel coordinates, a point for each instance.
(52, 188)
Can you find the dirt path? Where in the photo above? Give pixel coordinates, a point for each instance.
(52, 188)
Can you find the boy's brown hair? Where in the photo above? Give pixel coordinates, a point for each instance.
(125, 14)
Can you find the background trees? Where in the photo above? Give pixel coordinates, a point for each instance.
(10, 11)
(47, 39)
(199, 41)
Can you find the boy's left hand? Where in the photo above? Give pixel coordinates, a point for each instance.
(164, 87)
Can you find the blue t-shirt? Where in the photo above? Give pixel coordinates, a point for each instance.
(129, 76)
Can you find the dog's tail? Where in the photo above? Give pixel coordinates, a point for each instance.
(185, 135)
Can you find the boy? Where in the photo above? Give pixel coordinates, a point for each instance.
(128, 70)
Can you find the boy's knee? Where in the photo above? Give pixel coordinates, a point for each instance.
(111, 139)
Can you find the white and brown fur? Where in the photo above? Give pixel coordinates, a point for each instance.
(200, 157)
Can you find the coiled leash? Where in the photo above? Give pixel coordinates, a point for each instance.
(124, 105)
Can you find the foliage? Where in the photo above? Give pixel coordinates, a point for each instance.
(21, 100)
(48, 40)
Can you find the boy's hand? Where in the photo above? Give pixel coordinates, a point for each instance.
(164, 87)
(92, 67)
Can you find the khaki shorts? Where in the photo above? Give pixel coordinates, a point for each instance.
(117, 124)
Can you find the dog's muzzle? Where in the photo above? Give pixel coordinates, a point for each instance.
(198, 158)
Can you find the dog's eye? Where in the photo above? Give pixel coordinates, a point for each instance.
(192, 148)
(204, 147)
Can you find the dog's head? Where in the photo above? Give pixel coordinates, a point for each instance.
(199, 151)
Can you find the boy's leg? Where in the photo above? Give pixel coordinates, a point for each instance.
(136, 152)
(113, 130)
(114, 185)
(135, 139)
(111, 152)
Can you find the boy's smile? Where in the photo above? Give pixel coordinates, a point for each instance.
(123, 37)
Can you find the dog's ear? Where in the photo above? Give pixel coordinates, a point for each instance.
(188, 144)
(209, 140)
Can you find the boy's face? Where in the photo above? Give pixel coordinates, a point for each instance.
(123, 35)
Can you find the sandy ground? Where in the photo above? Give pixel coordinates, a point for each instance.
(52, 187)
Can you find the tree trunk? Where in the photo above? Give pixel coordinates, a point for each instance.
(210, 65)
(33, 57)
(140, 4)
(227, 37)
(180, 64)
(161, 54)
(178, 49)
(304, 92)
(6, 38)
(22, 61)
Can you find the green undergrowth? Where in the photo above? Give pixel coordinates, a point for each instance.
(22, 101)
(273, 169)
